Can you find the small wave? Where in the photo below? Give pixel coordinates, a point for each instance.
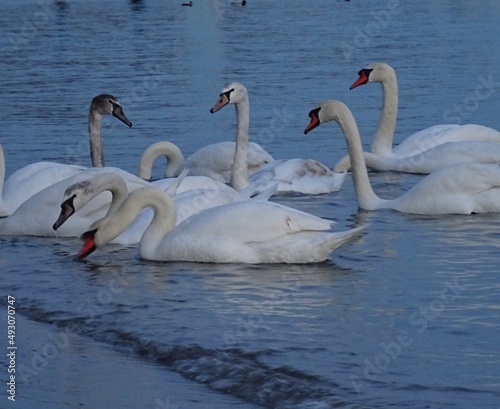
(229, 371)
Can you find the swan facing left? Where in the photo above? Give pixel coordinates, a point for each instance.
(241, 232)
(424, 151)
(291, 175)
(458, 189)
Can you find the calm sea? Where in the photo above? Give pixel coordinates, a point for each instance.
(406, 316)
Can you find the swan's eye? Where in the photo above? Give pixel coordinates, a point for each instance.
(365, 72)
(314, 112)
(227, 94)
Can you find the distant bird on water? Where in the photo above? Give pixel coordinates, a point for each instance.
(190, 4)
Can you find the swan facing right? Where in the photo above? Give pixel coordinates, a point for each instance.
(33, 178)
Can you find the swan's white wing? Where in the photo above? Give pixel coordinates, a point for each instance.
(252, 232)
(298, 175)
(461, 189)
(437, 157)
(252, 221)
(33, 178)
(216, 160)
(37, 214)
(439, 134)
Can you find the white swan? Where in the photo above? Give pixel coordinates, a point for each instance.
(426, 150)
(293, 175)
(35, 177)
(175, 163)
(460, 189)
(35, 217)
(76, 197)
(214, 161)
(241, 232)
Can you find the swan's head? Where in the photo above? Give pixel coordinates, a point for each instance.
(75, 197)
(79, 194)
(326, 111)
(95, 237)
(232, 93)
(375, 72)
(106, 104)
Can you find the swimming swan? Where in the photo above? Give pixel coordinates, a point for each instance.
(35, 177)
(35, 217)
(426, 150)
(461, 189)
(214, 161)
(292, 175)
(241, 232)
(78, 195)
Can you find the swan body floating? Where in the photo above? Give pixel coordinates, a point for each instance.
(214, 161)
(458, 189)
(241, 232)
(294, 175)
(426, 150)
(35, 177)
(77, 196)
(35, 217)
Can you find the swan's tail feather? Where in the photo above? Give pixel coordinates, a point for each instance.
(336, 240)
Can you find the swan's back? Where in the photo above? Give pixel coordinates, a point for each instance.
(440, 134)
(33, 178)
(246, 231)
(37, 214)
(216, 160)
(457, 189)
(298, 175)
(253, 221)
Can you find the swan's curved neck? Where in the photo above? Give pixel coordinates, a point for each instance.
(382, 142)
(114, 184)
(162, 223)
(95, 139)
(3, 210)
(175, 159)
(239, 177)
(367, 199)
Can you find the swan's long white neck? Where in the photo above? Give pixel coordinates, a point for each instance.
(367, 198)
(163, 221)
(382, 142)
(112, 183)
(239, 177)
(175, 159)
(95, 139)
(3, 209)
